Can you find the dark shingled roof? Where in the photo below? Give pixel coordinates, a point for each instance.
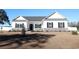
(31, 18)
(34, 18)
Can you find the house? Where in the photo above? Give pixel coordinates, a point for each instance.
(53, 22)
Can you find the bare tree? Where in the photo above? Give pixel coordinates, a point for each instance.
(72, 24)
(78, 25)
(23, 31)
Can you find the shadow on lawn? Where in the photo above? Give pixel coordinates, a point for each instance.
(18, 38)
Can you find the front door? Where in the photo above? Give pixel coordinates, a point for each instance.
(31, 27)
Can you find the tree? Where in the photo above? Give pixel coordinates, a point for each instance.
(78, 25)
(23, 31)
(72, 24)
(3, 17)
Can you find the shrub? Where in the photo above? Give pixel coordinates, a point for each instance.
(74, 33)
(34, 44)
(42, 41)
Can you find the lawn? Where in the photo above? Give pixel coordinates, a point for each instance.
(39, 40)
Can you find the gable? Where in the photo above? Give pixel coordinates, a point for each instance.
(20, 18)
(56, 15)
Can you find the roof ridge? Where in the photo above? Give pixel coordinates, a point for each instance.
(33, 16)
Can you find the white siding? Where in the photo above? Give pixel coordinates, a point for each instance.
(55, 24)
(25, 24)
(20, 18)
(72, 28)
(34, 22)
(56, 15)
(20, 22)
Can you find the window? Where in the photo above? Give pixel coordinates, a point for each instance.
(37, 25)
(16, 25)
(61, 25)
(19, 25)
(49, 25)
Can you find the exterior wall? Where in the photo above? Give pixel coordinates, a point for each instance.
(35, 22)
(43, 23)
(72, 28)
(56, 15)
(20, 20)
(25, 25)
(55, 25)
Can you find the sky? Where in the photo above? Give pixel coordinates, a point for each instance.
(71, 14)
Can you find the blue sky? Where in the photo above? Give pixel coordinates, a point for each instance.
(71, 14)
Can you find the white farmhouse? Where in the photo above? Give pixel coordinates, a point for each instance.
(53, 22)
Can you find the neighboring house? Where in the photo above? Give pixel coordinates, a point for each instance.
(5, 28)
(53, 22)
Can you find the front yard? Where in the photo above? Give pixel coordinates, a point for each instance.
(36, 40)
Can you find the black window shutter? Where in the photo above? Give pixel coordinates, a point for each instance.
(52, 24)
(47, 24)
(63, 24)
